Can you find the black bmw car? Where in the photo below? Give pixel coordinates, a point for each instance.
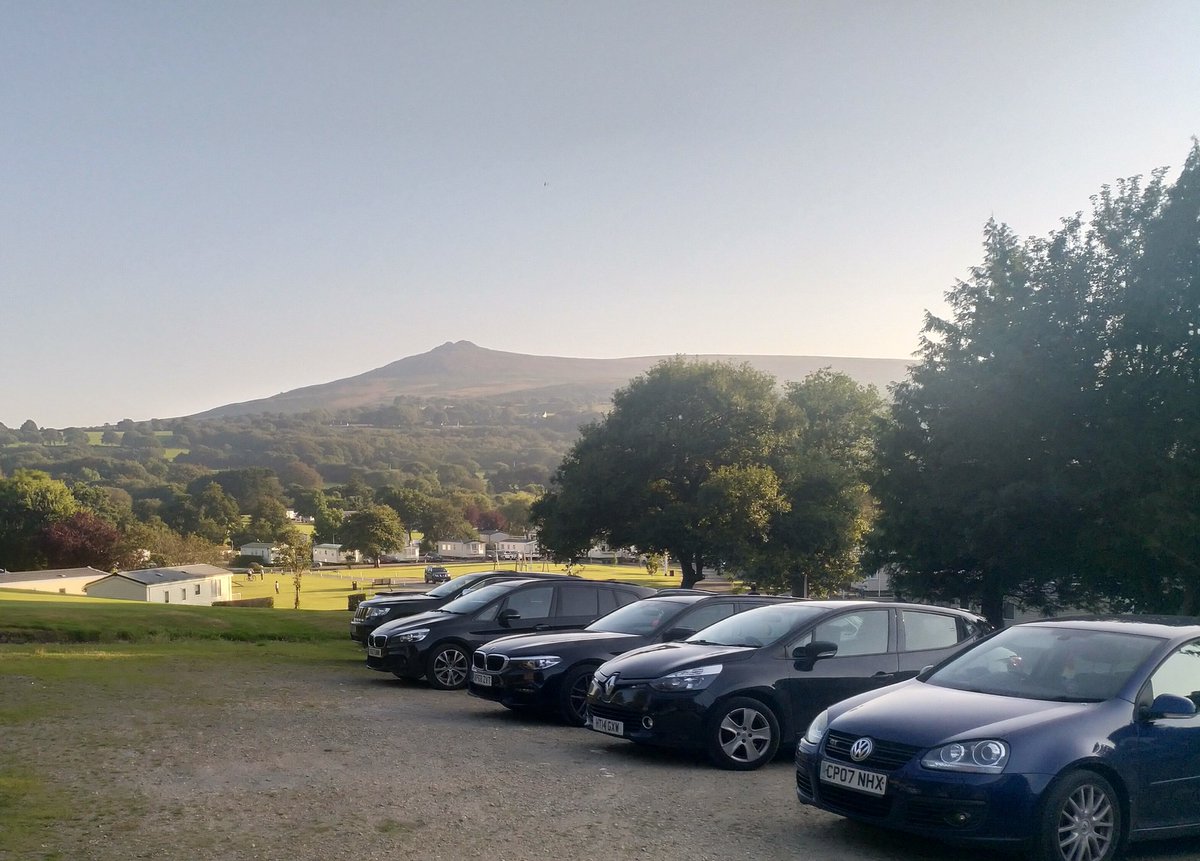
(553, 670)
(437, 645)
(744, 686)
(386, 606)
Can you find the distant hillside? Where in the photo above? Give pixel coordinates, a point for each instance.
(463, 370)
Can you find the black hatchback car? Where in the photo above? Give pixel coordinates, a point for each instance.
(386, 606)
(554, 670)
(744, 686)
(437, 645)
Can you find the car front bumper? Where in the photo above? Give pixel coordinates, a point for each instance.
(531, 688)
(647, 717)
(403, 660)
(964, 808)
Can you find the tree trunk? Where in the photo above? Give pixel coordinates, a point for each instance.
(689, 568)
(1189, 607)
(991, 603)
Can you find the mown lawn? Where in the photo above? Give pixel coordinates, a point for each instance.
(328, 589)
(323, 613)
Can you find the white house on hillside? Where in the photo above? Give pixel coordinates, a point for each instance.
(462, 549)
(410, 552)
(333, 554)
(524, 548)
(63, 581)
(261, 549)
(185, 584)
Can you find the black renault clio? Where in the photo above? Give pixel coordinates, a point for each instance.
(437, 645)
(553, 670)
(744, 686)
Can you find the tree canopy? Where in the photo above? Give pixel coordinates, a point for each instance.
(695, 459)
(1045, 448)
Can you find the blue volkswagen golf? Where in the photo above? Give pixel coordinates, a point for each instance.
(1067, 738)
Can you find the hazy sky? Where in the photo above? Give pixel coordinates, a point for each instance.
(207, 202)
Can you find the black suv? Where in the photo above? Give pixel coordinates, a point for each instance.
(436, 574)
(437, 645)
(744, 686)
(554, 670)
(387, 606)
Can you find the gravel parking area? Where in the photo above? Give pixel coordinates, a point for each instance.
(341, 762)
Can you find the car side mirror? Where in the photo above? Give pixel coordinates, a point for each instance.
(678, 633)
(807, 656)
(507, 616)
(1169, 706)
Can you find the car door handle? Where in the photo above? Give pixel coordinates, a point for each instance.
(882, 675)
(541, 627)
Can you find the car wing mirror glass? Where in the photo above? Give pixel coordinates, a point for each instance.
(1169, 705)
(508, 616)
(807, 656)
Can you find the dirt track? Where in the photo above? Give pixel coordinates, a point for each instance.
(344, 763)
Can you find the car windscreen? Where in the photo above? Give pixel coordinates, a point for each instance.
(1048, 663)
(759, 626)
(472, 601)
(642, 618)
(453, 587)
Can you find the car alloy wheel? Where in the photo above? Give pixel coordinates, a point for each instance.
(572, 696)
(742, 734)
(1081, 820)
(448, 667)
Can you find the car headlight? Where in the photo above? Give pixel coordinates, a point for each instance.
(695, 679)
(816, 729)
(372, 612)
(987, 755)
(414, 636)
(540, 662)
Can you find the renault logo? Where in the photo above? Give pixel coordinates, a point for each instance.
(610, 684)
(861, 749)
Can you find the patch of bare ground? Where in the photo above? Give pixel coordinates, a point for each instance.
(338, 762)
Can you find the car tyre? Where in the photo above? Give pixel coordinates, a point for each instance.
(741, 734)
(572, 695)
(447, 667)
(1080, 820)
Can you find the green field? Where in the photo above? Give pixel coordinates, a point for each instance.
(324, 607)
(169, 453)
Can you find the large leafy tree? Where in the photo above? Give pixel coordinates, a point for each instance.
(80, 540)
(669, 469)
(154, 544)
(30, 501)
(1044, 448)
(442, 520)
(373, 531)
(1143, 542)
(826, 451)
(410, 504)
(212, 514)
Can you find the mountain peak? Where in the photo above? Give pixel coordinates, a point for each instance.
(455, 347)
(462, 369)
